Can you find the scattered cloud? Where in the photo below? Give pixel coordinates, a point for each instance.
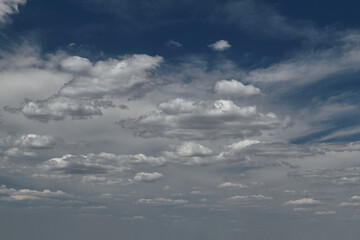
(174, 44)
(9, 7)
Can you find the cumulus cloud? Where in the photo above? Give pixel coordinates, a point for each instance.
(248, 197)
(185, 119)
(147, 177)
(234, 88)
(11, 194)
(162, 201)
(9, 7)
(220, 45)
(303, 201)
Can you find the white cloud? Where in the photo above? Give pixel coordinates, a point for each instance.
(147, 177)
(162, 201)
(355, 198)
(8, 7)
(233, 88)
(249, 197)
(11, 194)
(303, 201)
(220, 45)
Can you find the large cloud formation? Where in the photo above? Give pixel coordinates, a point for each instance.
(82, 97)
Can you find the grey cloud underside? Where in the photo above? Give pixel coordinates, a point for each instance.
(186, 120)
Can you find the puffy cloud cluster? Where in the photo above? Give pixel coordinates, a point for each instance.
(24, 145)
(189, 120)
(83, 96)
(8, 7)
(234, 88)
(105, 168)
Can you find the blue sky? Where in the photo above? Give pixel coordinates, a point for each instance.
(179, 119)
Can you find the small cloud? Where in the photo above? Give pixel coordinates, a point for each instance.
(234, 88)
(304, 201)
(220, 45)
(232, 185)
(249, 197)
(174, 44)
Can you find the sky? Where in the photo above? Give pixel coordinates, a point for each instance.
(179, 119)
